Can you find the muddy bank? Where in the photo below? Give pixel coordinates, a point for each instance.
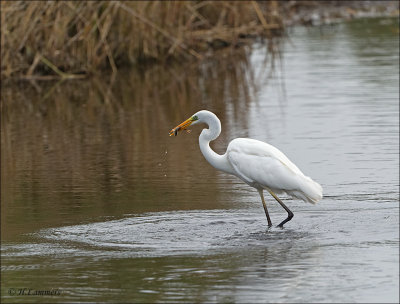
(328, 12)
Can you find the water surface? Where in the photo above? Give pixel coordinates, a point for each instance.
(99, 203)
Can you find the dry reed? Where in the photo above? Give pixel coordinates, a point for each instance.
(74, 38)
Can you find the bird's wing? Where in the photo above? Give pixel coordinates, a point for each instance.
(258, 162)
(262, 165)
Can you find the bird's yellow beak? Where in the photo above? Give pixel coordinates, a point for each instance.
(182, 126)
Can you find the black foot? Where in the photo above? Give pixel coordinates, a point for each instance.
(290, 216)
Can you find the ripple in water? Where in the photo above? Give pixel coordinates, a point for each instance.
(171, 233)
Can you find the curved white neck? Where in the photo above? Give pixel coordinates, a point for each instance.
(220, 162)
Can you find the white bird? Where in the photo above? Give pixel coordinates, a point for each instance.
(257, 163)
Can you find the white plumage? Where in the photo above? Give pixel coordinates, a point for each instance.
(263, 166)
(257, 163)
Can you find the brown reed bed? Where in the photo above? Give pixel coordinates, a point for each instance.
(71, 39)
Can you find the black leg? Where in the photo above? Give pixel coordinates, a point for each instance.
(265, 208)
(290, 213)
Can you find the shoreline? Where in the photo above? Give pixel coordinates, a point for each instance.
(313, 13)
(263, 21)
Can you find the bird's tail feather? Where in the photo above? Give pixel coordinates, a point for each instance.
(311, 190)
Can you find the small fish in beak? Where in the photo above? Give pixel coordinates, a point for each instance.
(181, 126)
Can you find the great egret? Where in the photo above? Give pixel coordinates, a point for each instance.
(257, 163)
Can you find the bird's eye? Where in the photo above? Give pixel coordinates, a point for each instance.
(195, 117)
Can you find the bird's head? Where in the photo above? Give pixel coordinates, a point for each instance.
(200, 116)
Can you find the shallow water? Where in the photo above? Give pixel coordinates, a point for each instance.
(99, 203)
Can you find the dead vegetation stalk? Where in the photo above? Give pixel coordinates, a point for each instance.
(68, 39)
